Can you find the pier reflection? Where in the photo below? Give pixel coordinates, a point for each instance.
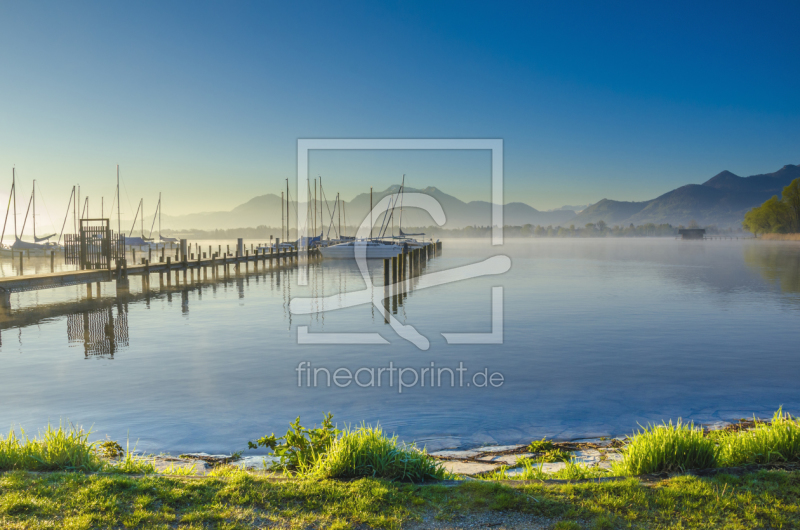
(97, 316)
(101, 331)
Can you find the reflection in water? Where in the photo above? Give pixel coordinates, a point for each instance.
(778, 264)
(101, 331)
(590, 346)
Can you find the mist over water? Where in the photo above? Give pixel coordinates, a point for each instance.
(599, 335)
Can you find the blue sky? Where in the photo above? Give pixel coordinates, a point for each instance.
(205, 101)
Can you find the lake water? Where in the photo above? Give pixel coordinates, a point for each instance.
(598, 336)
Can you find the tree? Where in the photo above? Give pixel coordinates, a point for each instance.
(774, 216)
(791, 196)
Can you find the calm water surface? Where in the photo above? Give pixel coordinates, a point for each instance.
(599, 335)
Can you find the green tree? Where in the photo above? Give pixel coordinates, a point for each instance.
(791, 196)
(774, 216)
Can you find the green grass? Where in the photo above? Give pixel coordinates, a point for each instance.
(368, 452)
(680, 447)
(776, 442)
(767, 499)
(532, 470)
(64, 448)
(668, 448)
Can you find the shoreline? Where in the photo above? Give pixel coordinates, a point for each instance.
(779, 237)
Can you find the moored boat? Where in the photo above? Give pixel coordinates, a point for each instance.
(374, 250)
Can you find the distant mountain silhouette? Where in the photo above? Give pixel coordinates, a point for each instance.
(266, 210)
(721, 200)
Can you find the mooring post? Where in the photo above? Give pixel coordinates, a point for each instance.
(162, 253)
(394, 269)
(169, 271)
(52, 260)
(133, 249)
(20, 263)
(122, 279)
(5, 299)
(149, 253)
(386, 271)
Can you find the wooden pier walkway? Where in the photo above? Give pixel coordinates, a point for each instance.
(120, 274)
(404, 266)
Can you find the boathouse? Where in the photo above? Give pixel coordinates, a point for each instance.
(692, 233)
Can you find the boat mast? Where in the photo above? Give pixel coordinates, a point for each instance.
(33, 198)
(8, 210)
(340, 216)
(14, 193)
(370, 212)
(282, 212)
(402, 190)
(159, 216)
(119, 223)
(287, 209)
(66, 215)
(315, 208)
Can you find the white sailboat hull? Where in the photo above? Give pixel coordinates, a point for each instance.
(348, 251)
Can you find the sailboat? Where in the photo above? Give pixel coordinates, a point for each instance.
(140, 241)
(161, 239)
(19, 245)
(404, 238)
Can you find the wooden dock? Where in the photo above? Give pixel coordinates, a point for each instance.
(213, 267)
(200, 269)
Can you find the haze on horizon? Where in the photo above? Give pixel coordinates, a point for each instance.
(204, 102)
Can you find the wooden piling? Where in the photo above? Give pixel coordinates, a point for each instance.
(52, 260)
(386, 271)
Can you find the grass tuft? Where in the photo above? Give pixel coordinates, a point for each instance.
(766, 443)
(668, 448)
(56, 449)
(367, 452)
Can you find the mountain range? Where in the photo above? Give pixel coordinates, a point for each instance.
(721, 200)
